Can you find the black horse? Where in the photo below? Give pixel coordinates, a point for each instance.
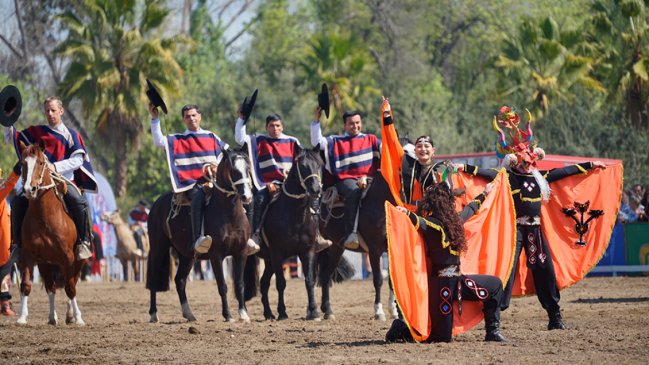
(371, 227)
(289, 229)
(225, 222)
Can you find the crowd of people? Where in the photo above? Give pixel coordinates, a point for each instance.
(422, 189)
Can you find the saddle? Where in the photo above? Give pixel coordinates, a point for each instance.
(331, 199)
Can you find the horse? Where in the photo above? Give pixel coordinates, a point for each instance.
(126, 246)
(371, 227)
(169, 225)
(289, 229)
(48, 236)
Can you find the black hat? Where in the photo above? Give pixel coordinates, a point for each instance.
(247, 105)
(143, 203)
(154, 96)
(323, 99)
(11, 104)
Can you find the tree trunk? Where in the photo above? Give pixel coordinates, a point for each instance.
(121, 169)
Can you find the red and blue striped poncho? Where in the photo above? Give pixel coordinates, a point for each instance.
(349, 157)
(271, 158)
(60, 147)
(187, 154)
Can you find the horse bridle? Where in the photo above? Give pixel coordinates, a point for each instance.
(39, 186)
(229, 193)
(302, 183)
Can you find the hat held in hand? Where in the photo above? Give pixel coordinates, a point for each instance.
(11, 103)
(154, 96)
(323, 99)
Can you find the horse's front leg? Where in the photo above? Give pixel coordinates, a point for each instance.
(217, 269)
(334, 253)
(153, 307)
(280, 283)
(308, 269)
(264, 286)
(184, 267)
(239, 262)
(377, 279)
(25, 290)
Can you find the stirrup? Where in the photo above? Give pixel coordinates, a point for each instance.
(352, 241)
(252, 247)
(82, 251)
(321, 243)
(202, 244)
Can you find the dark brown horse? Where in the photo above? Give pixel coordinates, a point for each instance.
(225, 222)
(48, 236)
(289, 229)
(371, 227)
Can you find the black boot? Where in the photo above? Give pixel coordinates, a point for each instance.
(202, 243)
(556, 322)
(492, 325)
(321, 242)
(398, 332)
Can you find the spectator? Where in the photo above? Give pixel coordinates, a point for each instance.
(627, 214)
(137, 220)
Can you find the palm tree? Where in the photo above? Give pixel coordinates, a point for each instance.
(113, 45)
(344, 64)
(541, 62)
(621, 31)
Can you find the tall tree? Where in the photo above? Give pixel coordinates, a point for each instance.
(541, 63)
(113, 46)
(621, 30)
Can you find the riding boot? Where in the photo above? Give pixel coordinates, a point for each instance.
(351, 210)
(492, 324)
(202, 243)
(321, 242)
(78, 209)
(18, 210)
(5, 305)
(555, 320)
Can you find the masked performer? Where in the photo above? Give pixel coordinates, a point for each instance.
(546, 234)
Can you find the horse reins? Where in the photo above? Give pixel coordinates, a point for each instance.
(302, 183)
(228, 193)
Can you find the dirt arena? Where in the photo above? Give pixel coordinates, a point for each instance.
(608, 320)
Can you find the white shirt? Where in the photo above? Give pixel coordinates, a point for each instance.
(316, 135)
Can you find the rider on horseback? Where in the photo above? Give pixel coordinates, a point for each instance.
(208, 153)
(272, 156)
(351, 159)
(67, 156)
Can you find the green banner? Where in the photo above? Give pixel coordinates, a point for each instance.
(637, 243)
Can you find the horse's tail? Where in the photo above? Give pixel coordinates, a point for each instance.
(159, 260)
(251, 277)
(344, 270)
(6, 268)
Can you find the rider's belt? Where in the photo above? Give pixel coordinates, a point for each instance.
(449, 271)
(528, 221)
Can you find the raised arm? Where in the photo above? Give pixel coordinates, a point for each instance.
(316, 132)
(489, 174)
(560, 173)
(159, 139)
(474, 205)
(240, 135)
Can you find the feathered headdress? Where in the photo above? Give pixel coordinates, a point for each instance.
(520, 142)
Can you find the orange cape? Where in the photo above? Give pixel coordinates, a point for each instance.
(490, 234)
(603, 188)
(5, 222)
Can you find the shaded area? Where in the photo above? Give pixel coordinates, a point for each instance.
(610, 300)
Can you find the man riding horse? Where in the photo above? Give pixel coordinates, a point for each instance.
(272, 157)
(351, 159)
(66, 153)
(188, 155)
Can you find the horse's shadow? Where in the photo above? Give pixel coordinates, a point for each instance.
(601, 300)
(317, 344)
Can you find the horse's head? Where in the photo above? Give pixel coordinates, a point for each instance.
(307, 171)
(235, 169)
(35, 171)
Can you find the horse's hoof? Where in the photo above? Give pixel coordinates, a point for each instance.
(243, 316)
(70, 320)
(52, 322)
(22, 320)
(79, 322)
(330, 316)
(283, 317)
(154, 318)
(380, 317)
(269, 317)
(312, 316)
(229, 320)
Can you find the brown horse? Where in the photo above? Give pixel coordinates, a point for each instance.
(126, 246)
(48, 236)
(225, 221)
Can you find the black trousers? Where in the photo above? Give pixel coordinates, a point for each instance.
(351, 193)
(75, 202)
(443, 294)
(197, 210)
(261, 199)
(539, 261)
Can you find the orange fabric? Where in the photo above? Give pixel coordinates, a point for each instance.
(391, 155)
(490, 233)
(5, 221)
(603, 188)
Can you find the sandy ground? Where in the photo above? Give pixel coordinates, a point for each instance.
(608, 320)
